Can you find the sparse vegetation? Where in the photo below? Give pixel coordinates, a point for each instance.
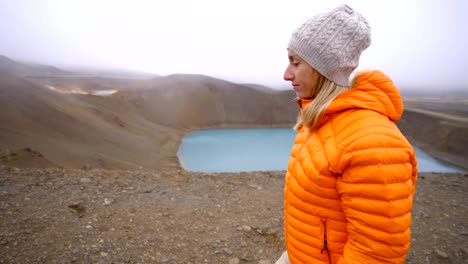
(9, 157)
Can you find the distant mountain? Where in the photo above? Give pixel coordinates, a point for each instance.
(89, 83)
(111, 73)
(87, 79)
(259, 87)
(444, 92)
(191, 101)
(28, 69)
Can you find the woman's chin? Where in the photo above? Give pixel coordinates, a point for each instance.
(300, 95)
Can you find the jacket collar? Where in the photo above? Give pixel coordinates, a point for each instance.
(302, 102)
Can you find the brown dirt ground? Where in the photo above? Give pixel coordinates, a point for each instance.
(174, 216)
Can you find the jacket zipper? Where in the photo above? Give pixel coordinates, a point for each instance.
(325, 246)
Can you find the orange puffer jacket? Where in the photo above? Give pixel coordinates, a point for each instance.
(350, 182)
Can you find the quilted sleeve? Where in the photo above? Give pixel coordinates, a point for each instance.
(376, 186)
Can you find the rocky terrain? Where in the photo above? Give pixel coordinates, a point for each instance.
(175, 216)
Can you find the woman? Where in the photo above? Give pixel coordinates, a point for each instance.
(352, 174)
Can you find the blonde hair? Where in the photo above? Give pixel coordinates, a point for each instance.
(326, 92)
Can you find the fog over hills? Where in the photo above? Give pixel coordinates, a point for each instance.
(25, 69)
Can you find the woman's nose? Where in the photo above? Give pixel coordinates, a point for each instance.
(288, 76)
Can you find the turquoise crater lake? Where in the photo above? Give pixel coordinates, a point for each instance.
(236, 150)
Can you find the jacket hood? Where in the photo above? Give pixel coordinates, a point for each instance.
(372, 90)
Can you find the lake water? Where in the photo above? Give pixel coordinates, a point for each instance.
(235, 150)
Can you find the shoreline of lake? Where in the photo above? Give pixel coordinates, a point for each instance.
(219, 147)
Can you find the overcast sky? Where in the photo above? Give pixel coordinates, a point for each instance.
(419, 43)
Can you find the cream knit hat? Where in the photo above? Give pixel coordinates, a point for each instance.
(331, 42)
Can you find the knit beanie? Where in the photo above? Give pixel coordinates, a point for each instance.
(331, 42)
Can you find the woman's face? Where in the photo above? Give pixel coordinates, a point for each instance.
(303, 77)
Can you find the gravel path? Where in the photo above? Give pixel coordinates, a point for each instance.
(110, 216)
